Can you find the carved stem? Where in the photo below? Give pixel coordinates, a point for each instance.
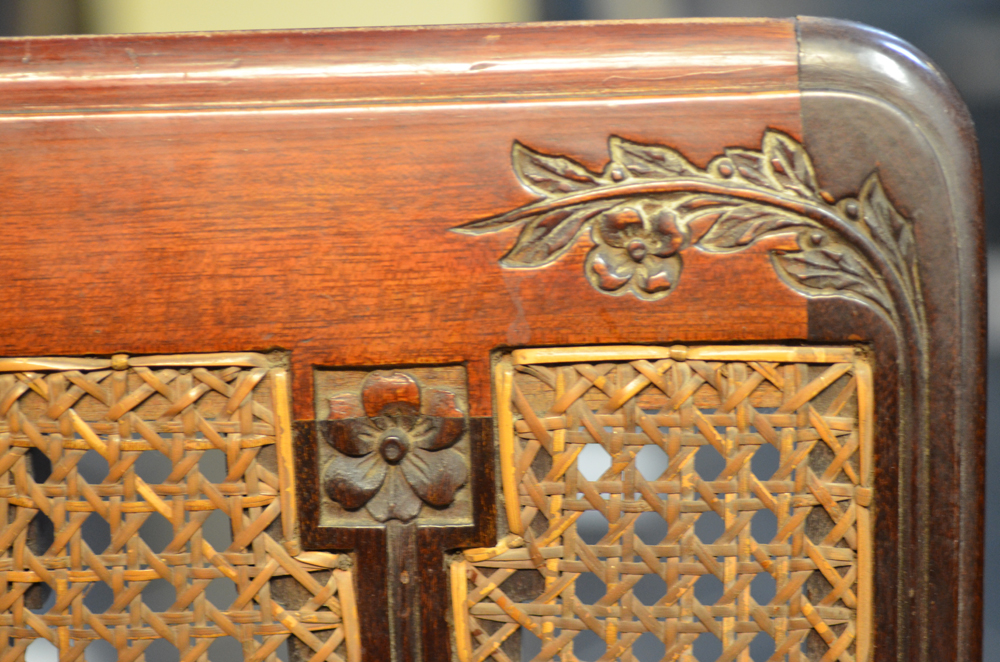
(404, 595)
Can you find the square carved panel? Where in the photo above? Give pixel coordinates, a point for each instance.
(677, 503)
(393, 445)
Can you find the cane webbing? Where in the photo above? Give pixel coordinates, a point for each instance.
(616, 460)
(77, 437)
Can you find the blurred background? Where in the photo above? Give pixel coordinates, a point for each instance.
(962, 36)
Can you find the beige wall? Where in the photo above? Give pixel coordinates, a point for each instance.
(109, 16)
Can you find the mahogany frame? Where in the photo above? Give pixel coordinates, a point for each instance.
(202, 193)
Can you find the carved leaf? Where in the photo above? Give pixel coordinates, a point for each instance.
(435, 477)
(438, 402)
(551, 176)
(396, 499)
(885, 225)
(825, 269)
(752, 167)
(789, 165)
(743, 225)
(546, 237)
(383, 390)
(353, 481)
(650, 161)
(356, 436)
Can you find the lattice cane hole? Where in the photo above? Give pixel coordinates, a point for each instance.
(96, 533)
(707, 647)
(764, 525)
(162, 650)
(762, 647)
(707, 462)
(709, 526)
(98, 597)
(159, 595)
(92, 467)
(156, 531)
(650, 589)
(46, 604)
(41, 650)
(593, 461)
(708, 589)
(99, 651)
(221, 592)
(591, 527)
(225, 649)
(651, 462)
(41, 465)
(762, 588)
(212, 466)
(588, 646)
(651, 528)
(765, 461)
(153, 467)
(218, 530)
(589, 588)
(648, 648)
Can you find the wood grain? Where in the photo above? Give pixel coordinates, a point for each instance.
(309, 230)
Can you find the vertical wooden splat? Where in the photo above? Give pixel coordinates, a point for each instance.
(397, 473)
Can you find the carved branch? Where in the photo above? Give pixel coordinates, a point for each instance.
(650, 203)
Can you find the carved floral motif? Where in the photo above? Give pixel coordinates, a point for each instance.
(637, 251)
(394, 448)
(649, 203)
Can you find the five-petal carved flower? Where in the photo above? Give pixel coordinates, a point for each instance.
(393, 445)
(636, 251)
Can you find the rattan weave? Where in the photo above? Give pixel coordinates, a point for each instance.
(811, 406)
(176, 408)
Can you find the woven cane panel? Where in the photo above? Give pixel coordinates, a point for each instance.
(148, 515)
(679, 504)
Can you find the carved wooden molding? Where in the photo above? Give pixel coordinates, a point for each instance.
(650, 203)
(393, 454)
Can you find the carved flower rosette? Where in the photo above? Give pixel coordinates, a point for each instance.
(650, 203)
(394, 448)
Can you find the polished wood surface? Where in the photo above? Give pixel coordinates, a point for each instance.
(443, 65)
(296, 191)
(304, 218)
